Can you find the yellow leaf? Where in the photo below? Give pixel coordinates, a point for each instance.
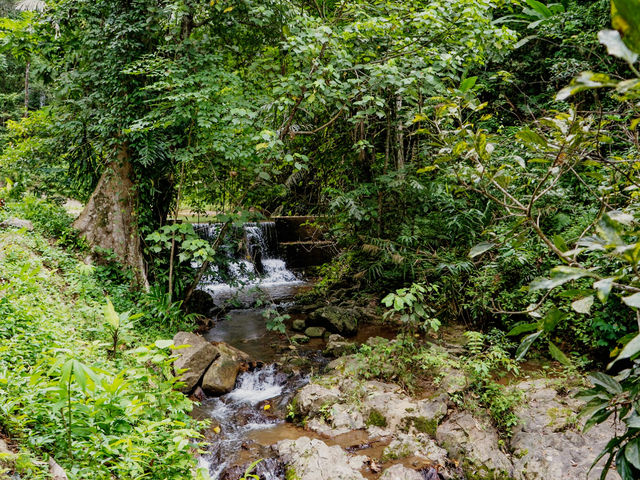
(227, 10)
(634, 123)
(267, 406)
(216, 429)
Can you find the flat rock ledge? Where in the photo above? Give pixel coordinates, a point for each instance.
(547, 444)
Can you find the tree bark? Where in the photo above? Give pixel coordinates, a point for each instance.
(108, 220)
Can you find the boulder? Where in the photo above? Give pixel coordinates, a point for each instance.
(549, 442)
(16, 223)
(421, 446)
(312, 397)
(337, 319)
(221, 376)
(308, 459)
(7, 457)
(195, 358)
(337, 346)
(474, 444)
(315, 332)
(400, 472)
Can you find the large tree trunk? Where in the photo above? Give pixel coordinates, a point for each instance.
(108, 220)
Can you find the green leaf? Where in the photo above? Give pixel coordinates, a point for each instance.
(604, 288)
(163, 343)
(625, 17)
(623, 467)
(480, 248)
(616, 47)
(551, 319)
(583, 305)
(541, 8)
(559, 276)
(110, 315)
(522, 328)
(526, 344)
(609, 383)
(632, 452)
(632, 300)
(531, 138)
(558, 354)
(467, 83)
(629, 350)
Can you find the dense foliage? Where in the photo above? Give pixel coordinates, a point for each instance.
(459, 152)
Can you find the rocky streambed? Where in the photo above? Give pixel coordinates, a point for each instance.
(307, 420)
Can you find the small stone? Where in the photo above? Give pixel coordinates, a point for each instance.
(299, 338)
(400, 472)
(298, 325)
(315, 332)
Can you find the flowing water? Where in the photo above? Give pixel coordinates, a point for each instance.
(259, 399)
(254, 271)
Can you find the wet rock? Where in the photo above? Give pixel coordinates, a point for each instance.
(298, 325)
(400, 472)
(549, 443)
(14, 222)
(337, 319)
(196, 358)
(474, 443)
(421, 446)
(201, 302)
(221, 376)
(309, 459)
(315, 332)
(299, 338)
(337, 346)
(428, 414)
(313, 397)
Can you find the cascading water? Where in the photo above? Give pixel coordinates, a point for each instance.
(251, 272)
(242, 412)
(260, 269)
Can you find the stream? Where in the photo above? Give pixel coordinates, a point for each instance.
(257, 404)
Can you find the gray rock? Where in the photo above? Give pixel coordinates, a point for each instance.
(474, 443)
(7, 457)
(337, 319)
(16, 223)
(400, 472)
(549, 442)
(453, 380)
(196, 358)
(221, 376)
(337, 346)
(57, 472)
(315, 332)
(312, 397)
(298, 325)
(421, 445)
(308, 459)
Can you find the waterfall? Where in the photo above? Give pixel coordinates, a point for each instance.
(257, 264)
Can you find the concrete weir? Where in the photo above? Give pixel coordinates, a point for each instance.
(301, 241)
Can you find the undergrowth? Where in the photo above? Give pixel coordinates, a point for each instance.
(101, 414)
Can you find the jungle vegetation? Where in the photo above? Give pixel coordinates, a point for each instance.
(483, 153)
